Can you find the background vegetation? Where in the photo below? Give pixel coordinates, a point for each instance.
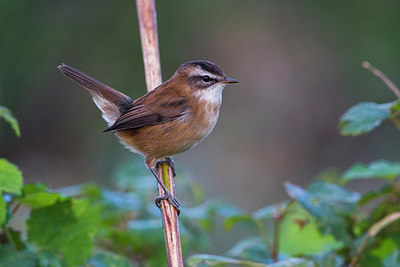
(298, 62)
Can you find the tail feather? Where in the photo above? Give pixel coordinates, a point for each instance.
(107, 99)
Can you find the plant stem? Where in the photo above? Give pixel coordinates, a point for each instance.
(383, 77)
(151, 56)
(275, 242)
(264, 235)
(9, 237)
(372, 232)
(396, 122)
(278, 217)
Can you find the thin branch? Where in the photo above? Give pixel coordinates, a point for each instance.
(396, 122)
(278, 217)
(264, 235)
(372, 232)
(149, 37)
(383, 77)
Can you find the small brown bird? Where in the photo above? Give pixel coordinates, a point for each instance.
(168, 120)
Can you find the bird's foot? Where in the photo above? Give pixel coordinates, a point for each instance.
(171, 200)
(170, 162)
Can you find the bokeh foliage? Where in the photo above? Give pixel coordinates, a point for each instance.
(89, 225)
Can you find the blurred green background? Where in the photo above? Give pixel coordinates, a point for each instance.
(299, 63)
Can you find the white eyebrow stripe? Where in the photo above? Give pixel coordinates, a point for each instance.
(200, 72)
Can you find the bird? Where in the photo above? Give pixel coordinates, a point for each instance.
(170, 119)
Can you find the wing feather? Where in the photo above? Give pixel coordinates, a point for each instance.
(147, 110)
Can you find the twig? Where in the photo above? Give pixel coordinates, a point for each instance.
(278, 217)
(372, 232)
(396, 122)
(148, 34)
(383, 77)
(275, 242)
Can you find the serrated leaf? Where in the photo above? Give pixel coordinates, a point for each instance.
(6, 114)
(40, 199)
(10, 258)
(364, 117)
(106, 259)
(32, 188)
(10, 177)
(66, 229)
(214, 260)
(36, 195)
(376, 169)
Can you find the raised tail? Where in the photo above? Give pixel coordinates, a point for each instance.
(108, 100)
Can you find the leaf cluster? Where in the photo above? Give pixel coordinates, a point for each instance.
(325, 224)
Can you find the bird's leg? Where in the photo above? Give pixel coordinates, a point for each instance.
(167, 196)
(170, 162)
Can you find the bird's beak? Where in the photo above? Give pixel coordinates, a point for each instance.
(229, 80)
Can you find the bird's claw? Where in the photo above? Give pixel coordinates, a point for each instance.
(171, 200)
(170, 162)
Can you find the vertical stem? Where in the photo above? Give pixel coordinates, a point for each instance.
(151, 56)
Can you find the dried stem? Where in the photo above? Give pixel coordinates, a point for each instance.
(383, 77)
(148, 34)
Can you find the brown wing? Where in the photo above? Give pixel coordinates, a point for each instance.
(158, 106)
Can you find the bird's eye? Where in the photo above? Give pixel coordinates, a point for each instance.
(206, 78)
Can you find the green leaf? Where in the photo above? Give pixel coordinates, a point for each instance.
(268, 212)
(214, 260)
(384, 248)
(371, 195)
(146, 234)
(36, 195)
(5, 113)
(243, 219)
(3, 210)
(66, 229)
(40, 199)
(250, 249)
(364, 117)
(48, 259)
(328, 260)
(331, 205)
(32, 188)
(106, 259)
(298, 226)
(293, 262)
(376, 169)
(392, 260)
(305, 199)
(10, 177)
(10, 258)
